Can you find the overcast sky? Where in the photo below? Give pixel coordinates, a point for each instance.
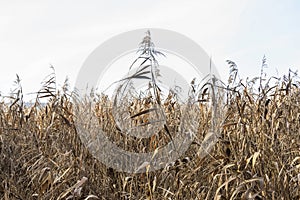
(37, 34)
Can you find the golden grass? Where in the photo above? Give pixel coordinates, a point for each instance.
(256, 157)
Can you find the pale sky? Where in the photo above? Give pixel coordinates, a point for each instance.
(37, 34)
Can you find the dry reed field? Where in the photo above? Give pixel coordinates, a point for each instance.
(256, 154)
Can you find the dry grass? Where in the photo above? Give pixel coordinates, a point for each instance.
(256, 157)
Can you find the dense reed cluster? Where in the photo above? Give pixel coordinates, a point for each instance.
(257, 155)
